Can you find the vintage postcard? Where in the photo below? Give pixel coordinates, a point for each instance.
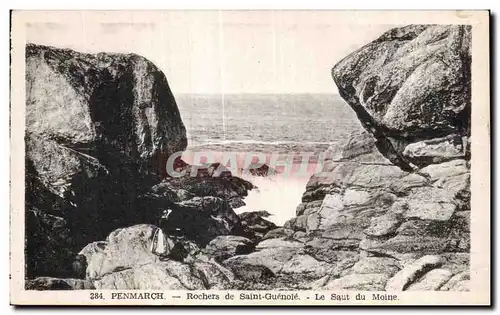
(250, 158)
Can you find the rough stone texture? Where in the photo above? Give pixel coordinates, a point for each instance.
(123, 249)
(279, 233)
(374, 265)
(411, 85)
(272, 258)
(97, 130)
(412, 272)
(166, 275)
(47, 283)
(224, 247)
(360, 147)
(455, 281)
(254, 224)
(432, 281)
(85, 101)
(373, 218)
(372, 282)
(126, 261)
(436, 150)
(201, 219)
(383, 225)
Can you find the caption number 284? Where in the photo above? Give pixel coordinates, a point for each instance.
(96, 296)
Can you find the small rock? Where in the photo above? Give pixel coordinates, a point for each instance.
(236, 202)
(463, 285)
(365, 282)
(165, 275)
(446, 169)
(436, 150)
(405, 184)
(224, 247)
(383, 225)
(431, 281)
(305, 264)
(401, 246)
(375, 265)
(355, 197)
(278, 233)
(253, 273)
(273, 258)
(278, 242)
(410, 273)
(183, 194)
(255, 226)
(455, 280)
(430, 211)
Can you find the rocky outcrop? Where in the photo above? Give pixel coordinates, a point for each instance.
(99, 130)
(110, 105)
(391, 211)
(411, 89)
(227, 246)
(365, 224)
(137, 257)
(255, 227)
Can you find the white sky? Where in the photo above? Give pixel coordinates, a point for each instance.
(222, 52)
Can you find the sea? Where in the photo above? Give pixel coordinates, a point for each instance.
(268, 123)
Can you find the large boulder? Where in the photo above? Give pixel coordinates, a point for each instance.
(123, 249)
(99, 128)
(410, 88)
(364, 219)
(89, 101)
(143, 257)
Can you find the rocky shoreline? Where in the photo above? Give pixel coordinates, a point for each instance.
(391, 211)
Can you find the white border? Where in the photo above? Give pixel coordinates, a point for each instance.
(124, 4)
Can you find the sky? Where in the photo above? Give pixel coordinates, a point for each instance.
(221, 51)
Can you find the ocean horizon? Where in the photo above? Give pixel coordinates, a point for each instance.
(267, 123)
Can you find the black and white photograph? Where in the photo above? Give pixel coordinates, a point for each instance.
(284, 156)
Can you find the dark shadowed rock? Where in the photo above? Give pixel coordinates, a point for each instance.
(201, 219)
(227, 246)
(263, 171)
(48, 249)
(249, 272)
(254, 225)
(47, 283)
(169, 275)
(99, 128)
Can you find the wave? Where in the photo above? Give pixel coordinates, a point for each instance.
(279, 196)
(251, 141)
